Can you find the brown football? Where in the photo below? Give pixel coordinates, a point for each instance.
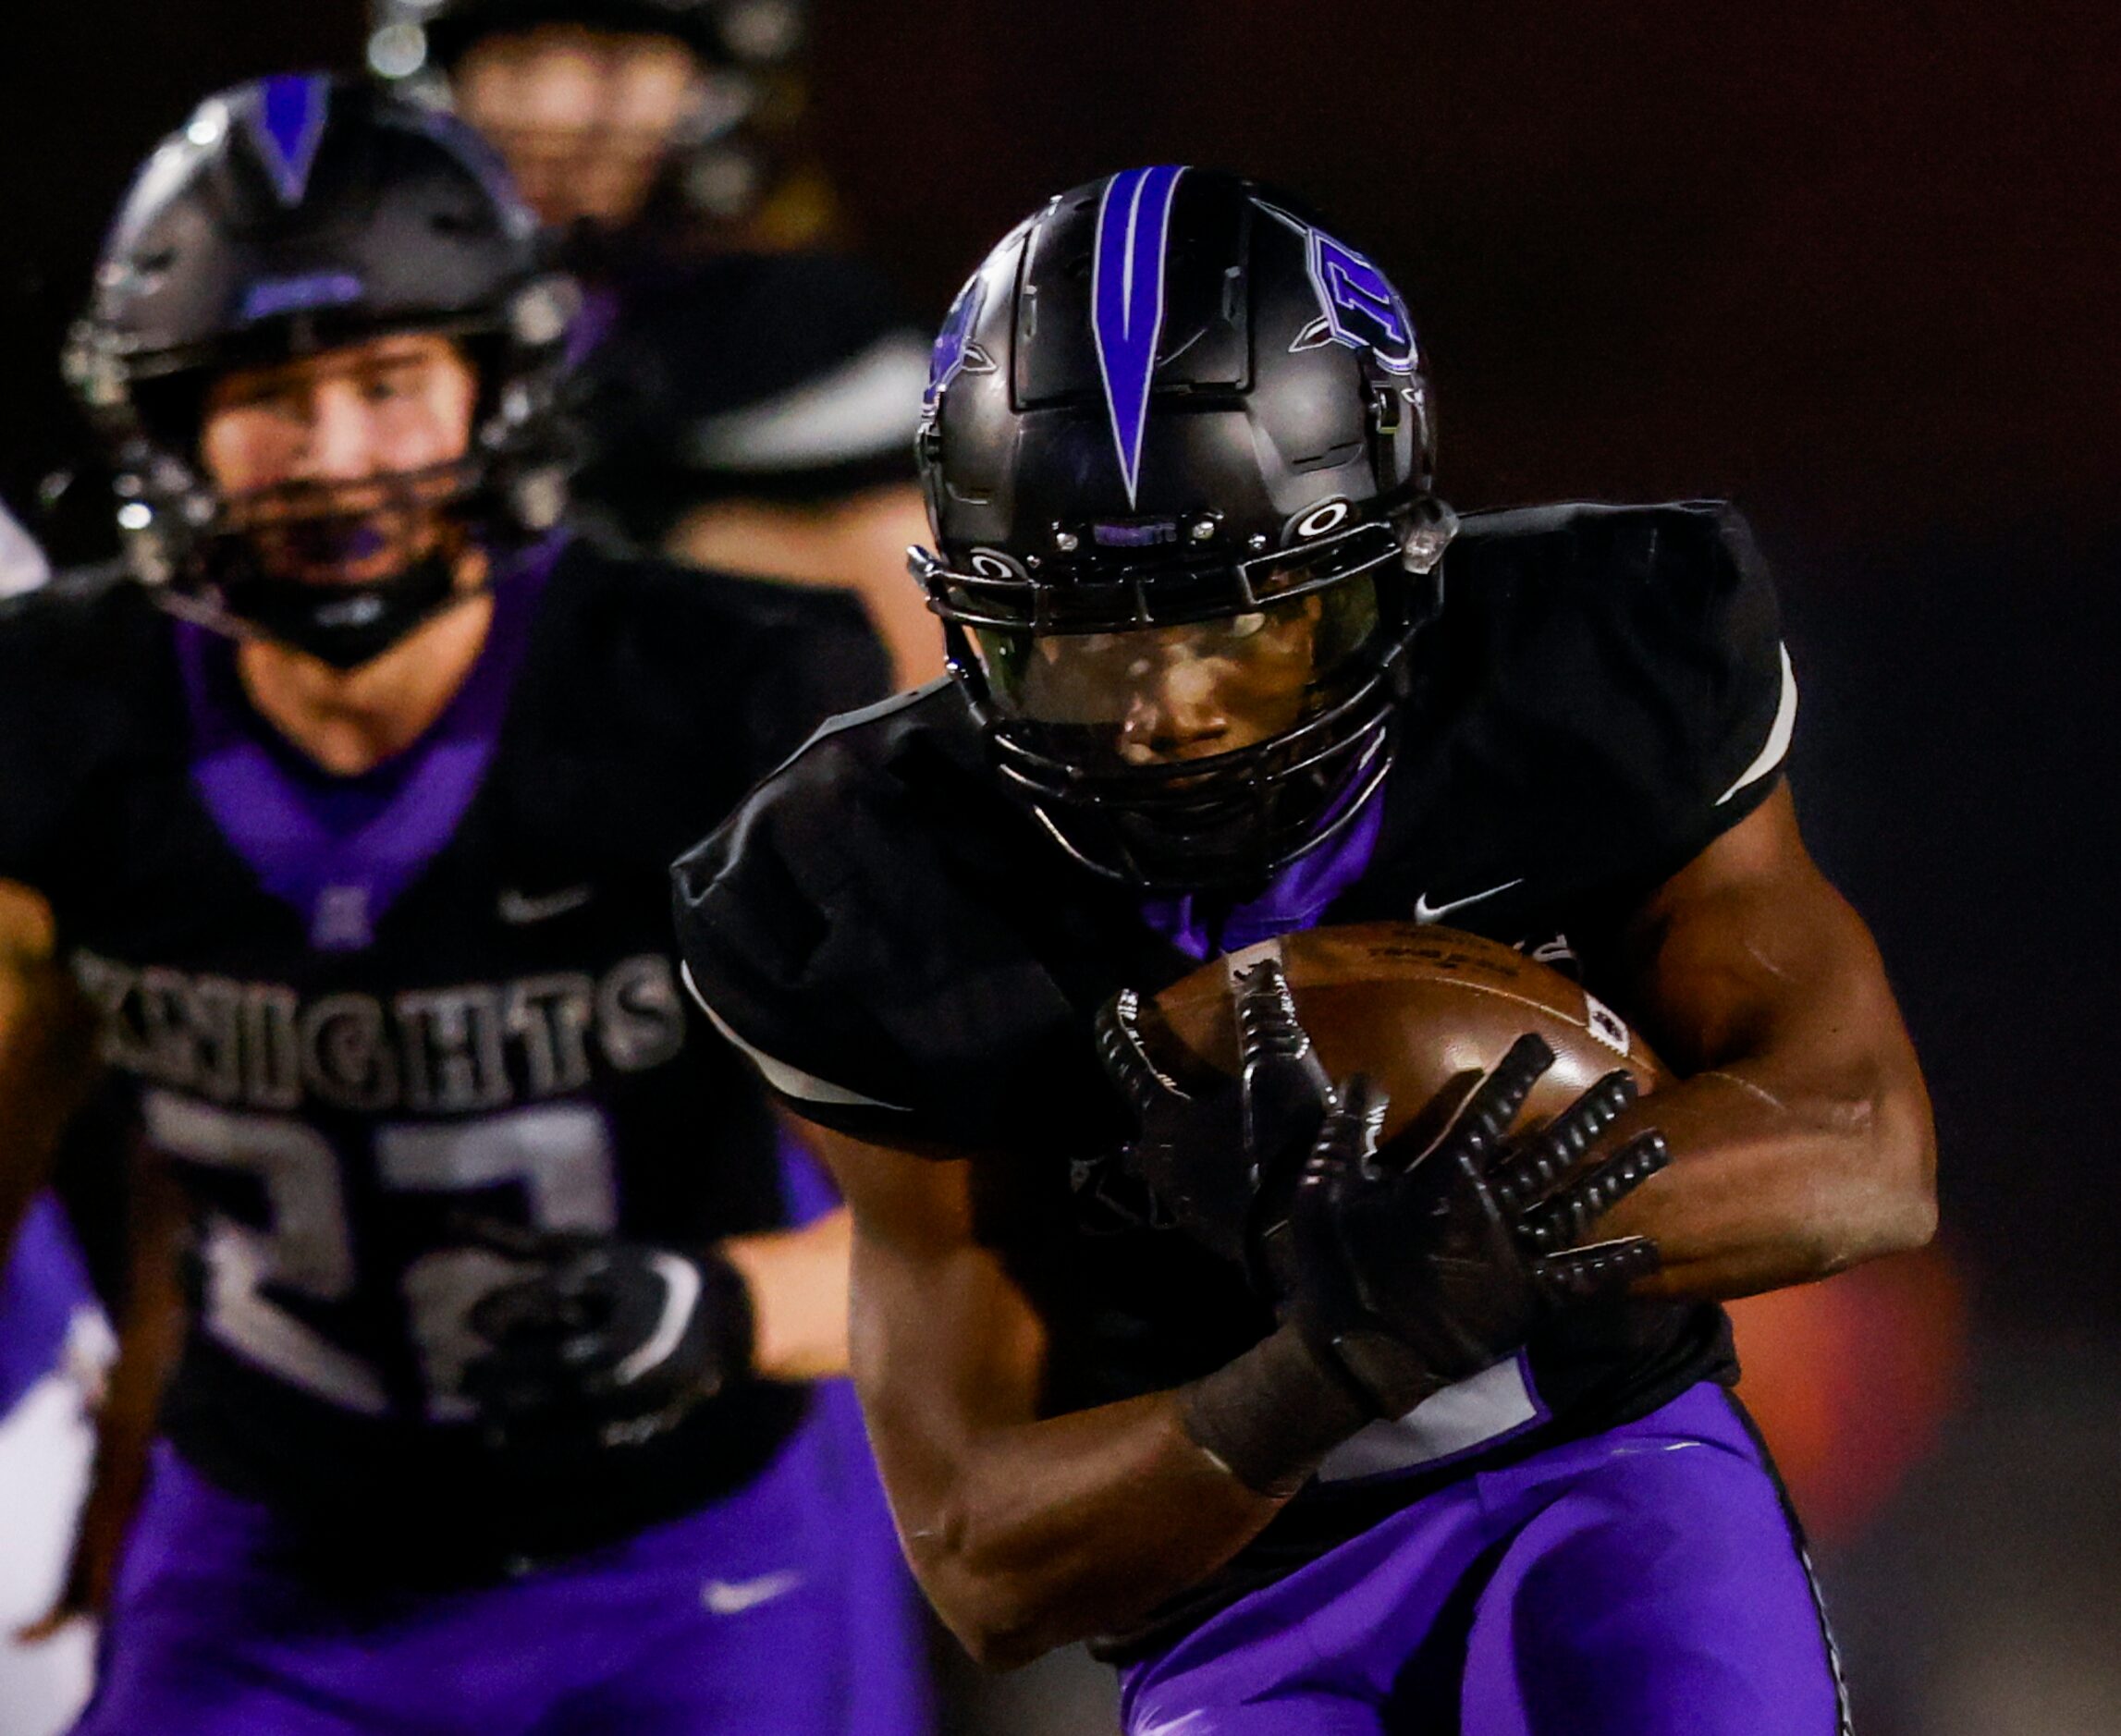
(1422, 1010)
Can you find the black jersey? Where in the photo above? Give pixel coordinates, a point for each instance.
(482, 1019)
(911, 960)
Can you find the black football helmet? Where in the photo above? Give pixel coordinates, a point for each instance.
(285, 217)
(1169, 399)
(750, 50)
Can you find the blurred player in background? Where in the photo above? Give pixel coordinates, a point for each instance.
(23, 563)
(749, 398)
(489, 1408)
(1383, 1446)
(54, 1345)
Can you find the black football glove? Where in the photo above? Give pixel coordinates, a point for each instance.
(612, 1342)
(1209, 1149)
(1409, 1269)
(1419, 1265)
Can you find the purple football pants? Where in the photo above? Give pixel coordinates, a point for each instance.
(782, 1608)
(1644, 1581)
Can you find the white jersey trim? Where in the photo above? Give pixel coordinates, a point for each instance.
(1778, 746)
(790, 1081)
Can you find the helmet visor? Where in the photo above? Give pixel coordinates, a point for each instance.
(1162, 695)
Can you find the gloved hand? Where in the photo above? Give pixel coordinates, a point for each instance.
(1408, 1268)
(1208, 1148)
(1416, 1266)
(611, 1342)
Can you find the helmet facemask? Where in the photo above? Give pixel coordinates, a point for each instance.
(342, 572)
(1203, 753)
(340, 568)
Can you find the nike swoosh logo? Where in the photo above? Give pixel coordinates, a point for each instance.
(732, 1598)
(520, 911)
(1424, 911)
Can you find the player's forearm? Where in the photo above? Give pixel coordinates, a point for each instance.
(797, 1284)
(1047, 1532)
(150, 1339)
(1778, 1181)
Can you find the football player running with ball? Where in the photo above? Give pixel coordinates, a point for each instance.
(1433, 1436)
(489, 1412)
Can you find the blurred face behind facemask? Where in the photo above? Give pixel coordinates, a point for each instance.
(586, 118)
(338, 468)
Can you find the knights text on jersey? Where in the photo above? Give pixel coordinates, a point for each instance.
(347, 1037)
(907, 957)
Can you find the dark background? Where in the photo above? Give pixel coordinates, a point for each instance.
(1853, 265)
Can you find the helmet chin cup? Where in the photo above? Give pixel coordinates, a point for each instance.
(343, 625)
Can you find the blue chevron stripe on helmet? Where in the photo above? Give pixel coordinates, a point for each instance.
(287, 126)
(1127, 300)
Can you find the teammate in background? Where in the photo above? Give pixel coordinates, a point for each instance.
(749, 397)
(1227, 668)
(53, 1344)
(490, 1411)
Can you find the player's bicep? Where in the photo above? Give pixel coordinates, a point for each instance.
(1750, 949)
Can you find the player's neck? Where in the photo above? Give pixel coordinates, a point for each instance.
(350, 720)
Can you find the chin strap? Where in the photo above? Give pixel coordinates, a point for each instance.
(344, 624)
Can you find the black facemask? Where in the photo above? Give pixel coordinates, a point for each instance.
(244, 580)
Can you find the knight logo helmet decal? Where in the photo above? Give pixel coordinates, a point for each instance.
(287, 124)
(1357, 305)
(1127, 300)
